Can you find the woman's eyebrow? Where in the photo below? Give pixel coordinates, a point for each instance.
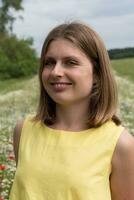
(49, 58)
(64, 58)
(71, 57)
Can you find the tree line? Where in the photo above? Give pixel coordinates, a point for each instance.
(121, 53)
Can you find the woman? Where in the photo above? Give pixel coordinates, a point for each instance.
(75, 147)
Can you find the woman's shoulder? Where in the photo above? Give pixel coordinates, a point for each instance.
(124, 149)
(125, 142)
(19, 125)
(17, 134)
(122, 177)
(16, 137)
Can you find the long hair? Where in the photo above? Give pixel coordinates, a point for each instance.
(103, 97)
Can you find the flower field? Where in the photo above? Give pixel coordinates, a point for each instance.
(18, 98)
(14, 105)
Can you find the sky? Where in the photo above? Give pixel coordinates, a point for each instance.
(112, 19)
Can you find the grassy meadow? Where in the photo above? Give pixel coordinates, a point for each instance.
(124, 68)
(19, 97)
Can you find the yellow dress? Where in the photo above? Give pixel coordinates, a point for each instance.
(64, 165)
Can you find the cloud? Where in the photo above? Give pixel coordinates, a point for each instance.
(113, 20)
(116, 31)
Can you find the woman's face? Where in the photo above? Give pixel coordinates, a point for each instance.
(68, 73)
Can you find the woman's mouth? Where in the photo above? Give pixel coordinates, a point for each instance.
(60, 86)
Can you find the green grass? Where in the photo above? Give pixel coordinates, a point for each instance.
(124, 68)
(13, 84)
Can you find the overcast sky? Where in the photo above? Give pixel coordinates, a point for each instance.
(112, 19)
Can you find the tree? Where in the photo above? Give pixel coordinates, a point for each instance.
(6, 19)
(17, 57)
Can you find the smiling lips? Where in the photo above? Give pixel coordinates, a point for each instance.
(60, 86)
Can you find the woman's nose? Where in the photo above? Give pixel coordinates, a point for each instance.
(57, 70)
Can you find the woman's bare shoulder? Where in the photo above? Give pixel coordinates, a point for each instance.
(124, 146)
(16, 137)
(122, 177)
(125, 142)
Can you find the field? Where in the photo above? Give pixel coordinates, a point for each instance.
(19, 97)
(124, 68)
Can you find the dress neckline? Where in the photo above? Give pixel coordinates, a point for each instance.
(68, 132)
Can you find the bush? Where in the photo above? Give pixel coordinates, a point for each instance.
(17, 57)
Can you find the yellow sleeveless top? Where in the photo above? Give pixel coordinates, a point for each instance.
(64, 165)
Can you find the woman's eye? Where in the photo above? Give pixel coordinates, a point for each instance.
(71, 62)
(48, 63)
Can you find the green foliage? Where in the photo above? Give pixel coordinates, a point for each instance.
(121, 53)
(6, 18)
(17, 57)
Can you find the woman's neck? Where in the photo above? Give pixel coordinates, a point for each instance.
(71, 117)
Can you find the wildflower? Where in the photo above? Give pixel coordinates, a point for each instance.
(2, 167)
(11, 157)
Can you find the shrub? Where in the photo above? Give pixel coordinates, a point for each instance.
(17, 57)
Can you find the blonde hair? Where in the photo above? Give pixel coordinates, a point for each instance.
(103, 98)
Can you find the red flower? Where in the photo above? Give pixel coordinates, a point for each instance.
(1, 198)
(2, 167)
(11, 157)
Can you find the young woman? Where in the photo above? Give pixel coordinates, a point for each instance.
(75, 147)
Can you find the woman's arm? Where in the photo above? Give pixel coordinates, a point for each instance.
(122, 176)
(16, 138)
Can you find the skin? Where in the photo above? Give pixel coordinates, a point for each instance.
(71, 110)
(122, 176)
